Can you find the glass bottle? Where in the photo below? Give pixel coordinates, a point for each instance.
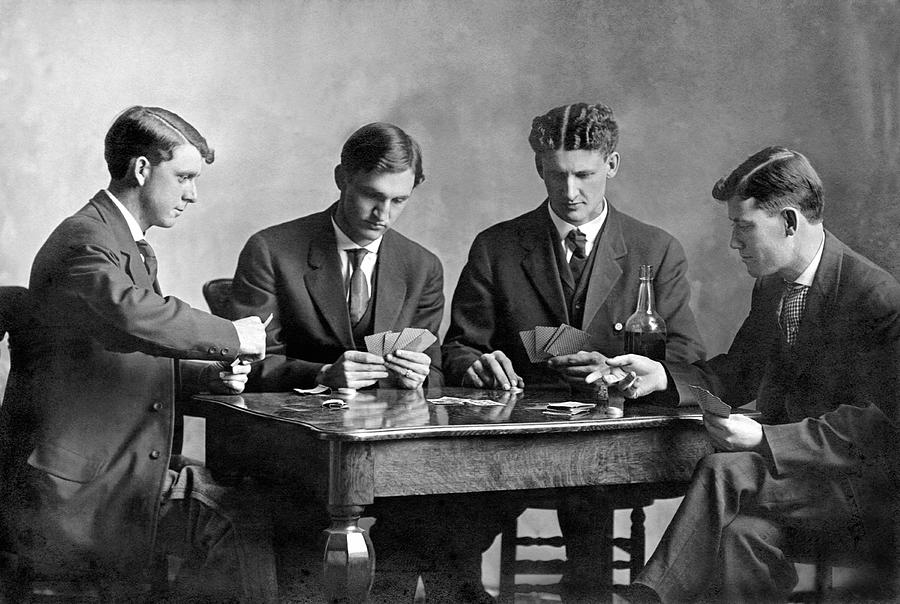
(645, 330)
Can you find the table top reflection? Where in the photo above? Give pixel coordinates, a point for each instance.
(388, 414)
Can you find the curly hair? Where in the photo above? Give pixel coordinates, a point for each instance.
(573, 127)
(776, 177)
(384, 148)
(149, 132)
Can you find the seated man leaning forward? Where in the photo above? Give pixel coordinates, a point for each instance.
(820, 353)
(574, 259)
(334, 277)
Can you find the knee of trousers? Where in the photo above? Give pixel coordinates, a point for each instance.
(719, 465)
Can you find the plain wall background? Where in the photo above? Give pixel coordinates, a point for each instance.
(277, 86)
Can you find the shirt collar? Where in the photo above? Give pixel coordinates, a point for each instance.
(590, 229)
(806, 277)
(345, 243)
(130, 220)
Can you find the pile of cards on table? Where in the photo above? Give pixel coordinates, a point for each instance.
(411, 338)
(568, 408)
(542, 342)
(711, 403)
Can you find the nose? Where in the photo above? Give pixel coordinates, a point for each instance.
(190, 192)
(571, 188)
(381, 209)
(735, 243)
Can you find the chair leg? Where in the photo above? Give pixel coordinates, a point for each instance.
(638, 543)
(508, 559)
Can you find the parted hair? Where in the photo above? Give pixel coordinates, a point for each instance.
(382, 147)
(573, 127)
(149, 132)
(776, 178)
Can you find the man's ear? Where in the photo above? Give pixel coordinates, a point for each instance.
(612, 163)
(139, 169)
(340, 177)
(789, 215)
(539, 165)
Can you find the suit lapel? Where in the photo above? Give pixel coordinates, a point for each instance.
(390, 284)
(819, 302)
(324, 282)
(606, 269)
(133, 263)
(539, 262)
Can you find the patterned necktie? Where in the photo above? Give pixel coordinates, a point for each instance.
(149, 258)
(577, 242)
(792, 309)
(359, 288)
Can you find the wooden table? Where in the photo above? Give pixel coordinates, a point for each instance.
(398, 442)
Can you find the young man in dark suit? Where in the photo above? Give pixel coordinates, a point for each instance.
(820, 354)
(90, 484)
(520, 272)
(304, 272)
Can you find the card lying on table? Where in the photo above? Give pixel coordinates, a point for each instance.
(411, 338)
(544, 342)
(710, 403)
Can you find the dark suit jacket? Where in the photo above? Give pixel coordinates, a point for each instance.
(92, 410)
(833, 412)
(293, 271)
(511, 283)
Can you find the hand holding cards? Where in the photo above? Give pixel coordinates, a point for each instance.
(710, 403)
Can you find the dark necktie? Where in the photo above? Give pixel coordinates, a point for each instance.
(149, 258)
(577, 242)
(359, 289)
(792, 309)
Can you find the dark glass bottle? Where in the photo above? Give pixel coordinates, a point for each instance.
(645, 330)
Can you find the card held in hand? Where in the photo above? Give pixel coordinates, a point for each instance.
(710, 403)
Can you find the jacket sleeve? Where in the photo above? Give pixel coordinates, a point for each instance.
(254, 292)
(91, 281)
(472, 321)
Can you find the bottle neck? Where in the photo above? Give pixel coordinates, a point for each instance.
(645, 303)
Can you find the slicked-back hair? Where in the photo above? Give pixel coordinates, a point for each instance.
(573, 127)
(382, 147)
(776, 178)
(149, 132)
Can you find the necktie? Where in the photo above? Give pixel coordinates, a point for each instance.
(149, 258)
(791, 310)
(577, 242)
(359, 289)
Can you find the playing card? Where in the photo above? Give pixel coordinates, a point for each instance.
(406, 336)
(390, 342)
(422, 342)
(711, 403)
(542, 335)
(567, 340)
(527, 337)
(374, 343)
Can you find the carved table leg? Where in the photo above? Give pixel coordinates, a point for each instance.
(349, 564)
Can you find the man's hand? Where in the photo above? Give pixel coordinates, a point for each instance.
(650, 374)
(252, 335)
(577, 367)
(409, 368)
(734, 433)
(492, 370)
(223, 378)
(354, 369)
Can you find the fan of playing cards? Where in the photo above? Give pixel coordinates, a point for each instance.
(711, 403)
(411, 338)
(544, 342)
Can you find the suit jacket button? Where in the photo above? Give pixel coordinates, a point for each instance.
(157, 406)
(212, 350)
(154, 454)
(617, 327)
(224, 352)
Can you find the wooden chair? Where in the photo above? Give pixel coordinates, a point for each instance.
(630, 497)
(217, 294)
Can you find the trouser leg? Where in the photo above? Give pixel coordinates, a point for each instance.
(223, 536)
